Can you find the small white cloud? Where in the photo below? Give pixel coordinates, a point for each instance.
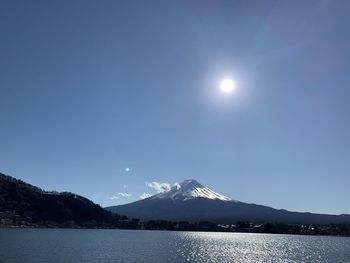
(159, 187)
(119, 195)
(145, 195)
(124, 194)
(125, 186)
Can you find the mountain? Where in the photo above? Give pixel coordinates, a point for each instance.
(190, 189)
(33, 205)
(191, 201)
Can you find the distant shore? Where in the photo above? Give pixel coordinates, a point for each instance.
(241, 227)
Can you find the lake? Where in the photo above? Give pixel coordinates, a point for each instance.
(82, 245)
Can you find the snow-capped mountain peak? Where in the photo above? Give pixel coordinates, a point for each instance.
(189, 189)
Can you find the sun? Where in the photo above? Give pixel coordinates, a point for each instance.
(227, 85)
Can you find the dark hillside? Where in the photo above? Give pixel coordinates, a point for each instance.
(39, 206)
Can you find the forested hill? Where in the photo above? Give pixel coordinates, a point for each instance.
(34, 205)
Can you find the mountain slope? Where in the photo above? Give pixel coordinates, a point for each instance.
(39, 206)
(194, 202)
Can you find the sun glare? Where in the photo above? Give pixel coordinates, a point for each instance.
(227, 85)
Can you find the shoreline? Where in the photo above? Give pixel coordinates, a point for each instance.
(166, 230)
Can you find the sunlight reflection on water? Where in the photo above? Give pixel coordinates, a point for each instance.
(238, 247)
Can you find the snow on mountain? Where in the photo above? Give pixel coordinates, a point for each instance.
(189, 189)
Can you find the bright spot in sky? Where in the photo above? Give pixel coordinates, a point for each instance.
(127, 169)
(227, 85)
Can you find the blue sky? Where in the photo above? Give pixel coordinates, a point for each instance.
(90, 88)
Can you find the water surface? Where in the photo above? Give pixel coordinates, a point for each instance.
(81, 245)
